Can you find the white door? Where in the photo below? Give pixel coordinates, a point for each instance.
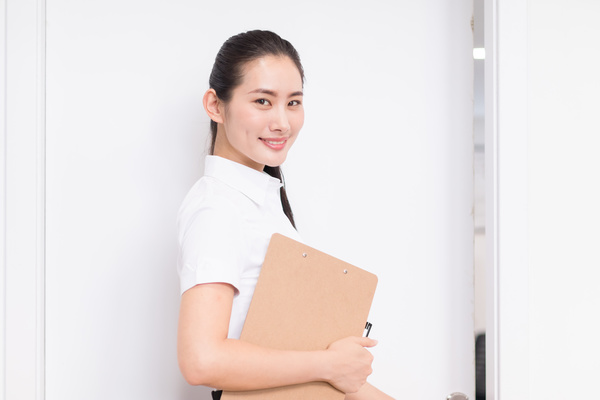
(380, 177)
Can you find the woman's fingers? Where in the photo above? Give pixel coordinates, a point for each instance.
(351, 363)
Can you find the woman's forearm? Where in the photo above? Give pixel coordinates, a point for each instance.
(237, 365)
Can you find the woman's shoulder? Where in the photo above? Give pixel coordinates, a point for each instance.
(210, 193)
(211, 200)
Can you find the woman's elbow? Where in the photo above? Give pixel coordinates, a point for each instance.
(197, 370)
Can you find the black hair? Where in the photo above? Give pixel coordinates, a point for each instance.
(227, 74)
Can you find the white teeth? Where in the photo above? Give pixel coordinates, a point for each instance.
(275, 143)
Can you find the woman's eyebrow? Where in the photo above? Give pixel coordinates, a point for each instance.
(264, 91)
(274, 94)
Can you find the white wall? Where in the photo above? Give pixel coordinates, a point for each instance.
(564, 198)
(545, 128)
(381, 177)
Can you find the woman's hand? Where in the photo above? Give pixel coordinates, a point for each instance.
(350, 363)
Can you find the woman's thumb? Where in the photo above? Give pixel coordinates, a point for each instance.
(367, 342)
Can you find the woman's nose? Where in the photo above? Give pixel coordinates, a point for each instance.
(280, 121)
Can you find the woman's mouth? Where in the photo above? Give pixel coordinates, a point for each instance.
(275, 144)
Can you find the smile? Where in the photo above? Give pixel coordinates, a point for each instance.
(275, 144)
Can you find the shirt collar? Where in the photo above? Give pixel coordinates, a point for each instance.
(254, 184)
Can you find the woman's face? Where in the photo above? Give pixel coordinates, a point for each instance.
(264, 115)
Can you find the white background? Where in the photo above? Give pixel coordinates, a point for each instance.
(380, 177)
(542, 211)
(564, 212)
(541, 64)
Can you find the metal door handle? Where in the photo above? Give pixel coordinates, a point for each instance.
(457, 396)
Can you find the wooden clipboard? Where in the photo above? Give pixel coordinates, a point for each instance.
(304, 300)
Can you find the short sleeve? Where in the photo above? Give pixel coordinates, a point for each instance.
(210, 243)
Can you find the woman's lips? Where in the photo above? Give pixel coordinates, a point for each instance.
(275, 143)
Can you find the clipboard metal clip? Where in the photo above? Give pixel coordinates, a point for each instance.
(368, 328)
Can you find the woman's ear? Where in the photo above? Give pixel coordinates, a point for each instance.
(212, 105)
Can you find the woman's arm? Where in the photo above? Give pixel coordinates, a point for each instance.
(368, 392)
(207, 357)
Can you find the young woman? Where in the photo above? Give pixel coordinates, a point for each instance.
(227, 219)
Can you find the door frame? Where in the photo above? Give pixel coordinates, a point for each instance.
(506, 165)
(22, 190)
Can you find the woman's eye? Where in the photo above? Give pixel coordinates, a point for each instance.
(294, 103)
(262, 102)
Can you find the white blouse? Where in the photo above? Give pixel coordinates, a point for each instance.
(224, 226)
